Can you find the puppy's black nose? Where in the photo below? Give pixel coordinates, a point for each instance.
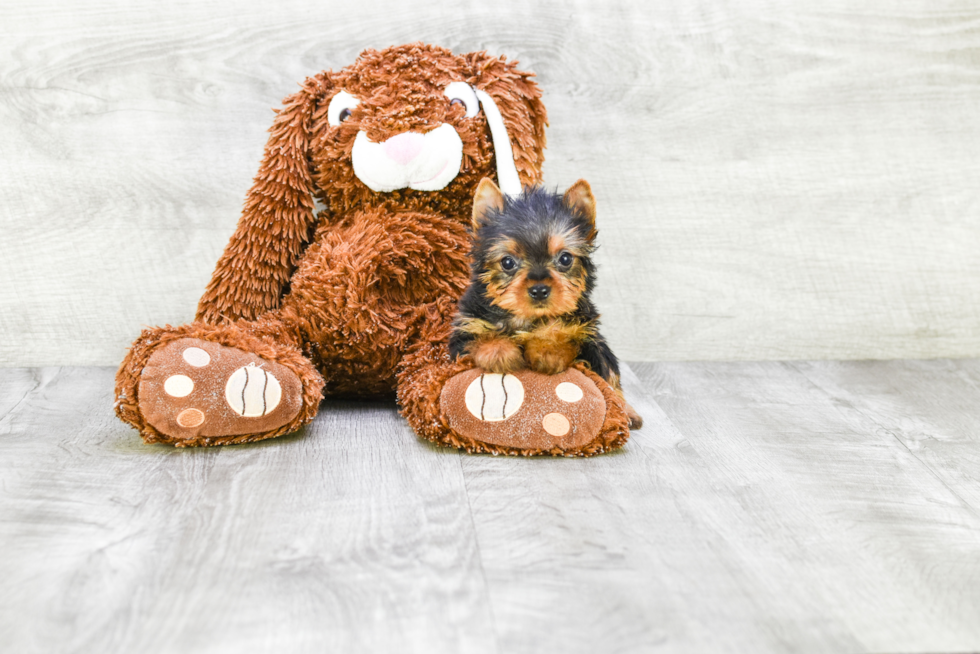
(539, 291)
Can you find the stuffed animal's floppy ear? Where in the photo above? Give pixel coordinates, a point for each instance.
(512, 105)
(276, 222)
(579, 198)
(487, 199)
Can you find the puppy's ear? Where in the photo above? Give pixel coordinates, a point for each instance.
(276, 223)
(486, 200)
(579, 199)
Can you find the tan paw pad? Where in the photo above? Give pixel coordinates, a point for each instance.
(190, 418)
(252, 392)
(195, 356)
(569, 392)
(493, 397)
(178, 386)
(556, 424)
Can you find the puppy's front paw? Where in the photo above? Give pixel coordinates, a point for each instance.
(497, 355)
(549, 357)
(636, 420)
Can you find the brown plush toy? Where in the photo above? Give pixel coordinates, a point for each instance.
(358, 298)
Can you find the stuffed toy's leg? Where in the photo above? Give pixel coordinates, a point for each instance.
(362, 291)
(202, 384)
(575, 413)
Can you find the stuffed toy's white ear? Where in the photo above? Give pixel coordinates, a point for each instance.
(510, 183)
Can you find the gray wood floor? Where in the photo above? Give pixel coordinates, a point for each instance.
(812, 507)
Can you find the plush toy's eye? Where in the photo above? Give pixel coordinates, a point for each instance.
(565, 260)
(340, 108)
(462, 93)
(508, 263)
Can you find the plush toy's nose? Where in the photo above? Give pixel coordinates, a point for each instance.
(404, 147)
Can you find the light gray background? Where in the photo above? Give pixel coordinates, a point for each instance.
(774, 180)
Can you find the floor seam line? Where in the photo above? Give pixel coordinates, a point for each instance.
(973, 510)
(479, 555)
(37, 385)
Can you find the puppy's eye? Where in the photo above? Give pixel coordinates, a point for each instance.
(565, 260)
(341, 107)
(461, 93)
(508, 263)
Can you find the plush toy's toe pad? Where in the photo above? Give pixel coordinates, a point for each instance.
(526, 410)
(191, 388)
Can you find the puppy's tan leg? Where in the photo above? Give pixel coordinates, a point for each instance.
(498, 355)
(549, 356)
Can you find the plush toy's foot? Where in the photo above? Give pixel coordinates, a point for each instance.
(526, 410)
(201, 384)
(192, 388)
(573, 413)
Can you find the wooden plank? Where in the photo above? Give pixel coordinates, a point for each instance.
(17, 384)
(750, 514)
(350, 536)
(775, 180)
(931, 407)
(854, 533)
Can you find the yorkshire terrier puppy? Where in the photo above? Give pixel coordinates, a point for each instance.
(528, 304)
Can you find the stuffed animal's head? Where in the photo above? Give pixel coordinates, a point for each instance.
(410, 128)
(414, 122)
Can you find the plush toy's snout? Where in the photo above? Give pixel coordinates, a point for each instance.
(404, 147)
(426, 161)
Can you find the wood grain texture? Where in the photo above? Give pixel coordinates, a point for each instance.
(349, 536)
(828, 514)
(764, 507)
(774, 181)
(751, 514)
(929, 407)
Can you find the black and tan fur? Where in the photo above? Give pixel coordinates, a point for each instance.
(528, 304)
